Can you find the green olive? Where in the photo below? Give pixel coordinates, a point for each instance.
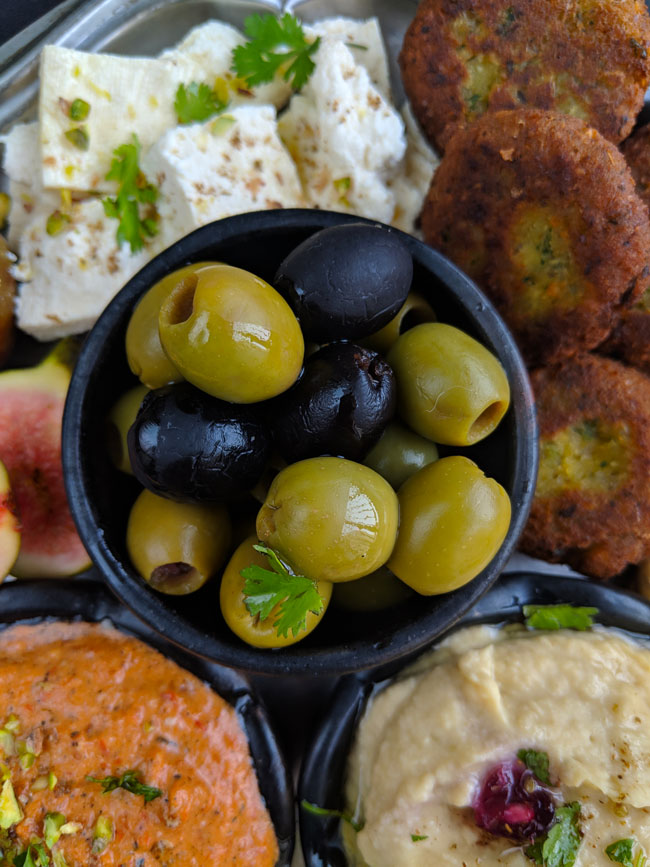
(453, 520)
(253, 630)
(176, 547)
(400, 453)
(143, 349)
(118, 422)
(451, 389)
(374, 592)
(331, 519)
(413, 311)
(232, 335)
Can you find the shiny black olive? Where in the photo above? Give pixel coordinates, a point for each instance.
(347, 281)
(191, 447)
(340, 406)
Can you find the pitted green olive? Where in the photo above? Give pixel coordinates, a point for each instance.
(453, 520)
(413, 311)
(253, 630)
(118, 422)
(331, 519)
(176, 547)
(144, 352)
(374, 592)
(400, 453)
(231, 335)
(451, 389)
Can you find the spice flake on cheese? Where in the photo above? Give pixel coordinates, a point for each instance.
(205, 56)
(229, 165)
(344, 137)
(124, 95)
(69, 277)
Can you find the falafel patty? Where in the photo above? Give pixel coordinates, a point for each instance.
(630, 340)
(592, 502)
(586, 58)
(541, 211)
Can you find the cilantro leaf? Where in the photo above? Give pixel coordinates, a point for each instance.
(295, 595)
(130, 781)
(315, 810)
(560, 846)
(34, 856)
(274, 43)
(537, 762)
(559, 617)
(197, 102)
(620, 852)
(134, 190)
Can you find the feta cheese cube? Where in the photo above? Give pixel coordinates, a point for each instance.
(126, 95)
(229, 165)
(365, 42)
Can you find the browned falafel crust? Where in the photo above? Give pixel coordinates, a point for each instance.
(630, 339)
(541, 211)
(587, 58)
(592, 503)
(636, 150)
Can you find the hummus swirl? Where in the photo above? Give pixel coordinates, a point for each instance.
(427, 739)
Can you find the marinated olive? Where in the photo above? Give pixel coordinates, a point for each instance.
(176, 547)
(374, 592)
(331, 519)
(452, 522)
(339, 406)
(120, 419)
(191, 447)
(346, 281)
(400, 453)
(144, 351)
(231, 334)
(451, 389)
(414, 311)
(252, 629)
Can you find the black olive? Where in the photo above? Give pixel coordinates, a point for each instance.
(340, 406)
(347, 281)
(191, 447)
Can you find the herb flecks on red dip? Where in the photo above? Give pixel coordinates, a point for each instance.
(108, 748)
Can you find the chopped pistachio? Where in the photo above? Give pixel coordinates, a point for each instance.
(26, 760)
(5, 207)
(78, 136)
(7, 743)
(56, 222)
(10, 812)
(66, 199)
(342, 185)
(103, 834)
(52, 828)
(52, 780)
(79, 109)
(222, 124)
(39, 784)
(58, 860)
(71, 828)
(13, 724)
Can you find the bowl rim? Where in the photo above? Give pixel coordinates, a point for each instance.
(294, 660)
(83, 599)
(323, 768)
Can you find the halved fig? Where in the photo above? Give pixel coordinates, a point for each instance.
(9, 526)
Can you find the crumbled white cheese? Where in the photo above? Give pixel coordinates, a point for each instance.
(411, 184)
(205, 55)
(229, 165)
(68, 278)
(344, 136)
(126, 95)
(365, 42)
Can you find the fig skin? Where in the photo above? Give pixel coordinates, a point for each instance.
(340, 406)
(7, 297)
(194, 448)
(9, 526)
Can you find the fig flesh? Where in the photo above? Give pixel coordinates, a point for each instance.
(31, 411)
(9, 526)
(7, 297)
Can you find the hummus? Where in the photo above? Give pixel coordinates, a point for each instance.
(427, 740)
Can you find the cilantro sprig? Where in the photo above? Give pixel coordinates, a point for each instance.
(275, 45)
(559, 847)
(537, 762)
(34, 856)
(296, 595)
(622, 852)
(130, 781)
(315, 810)
(134, 190)
(196, 102)
(553, 617)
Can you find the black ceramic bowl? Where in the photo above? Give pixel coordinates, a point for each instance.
(323, 772)
(100, 497)
(36, 601)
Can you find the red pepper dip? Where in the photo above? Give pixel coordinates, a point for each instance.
(84, 708)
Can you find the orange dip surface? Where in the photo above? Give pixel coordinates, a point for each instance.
(81, 700)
